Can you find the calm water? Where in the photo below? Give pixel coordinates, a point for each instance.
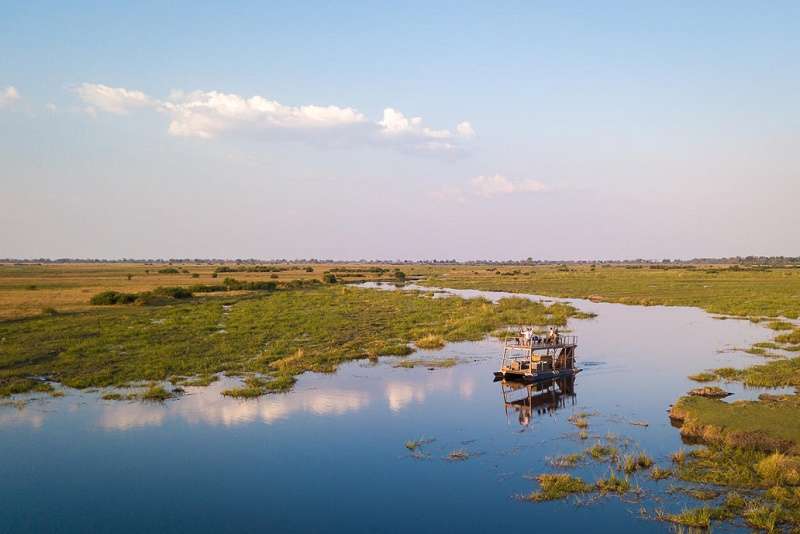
(330, 455)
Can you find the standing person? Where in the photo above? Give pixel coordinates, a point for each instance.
(526, 335)
(551, 335)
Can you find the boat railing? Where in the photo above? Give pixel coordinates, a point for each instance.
(543, 343)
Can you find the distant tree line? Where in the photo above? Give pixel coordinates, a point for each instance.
(268, 265)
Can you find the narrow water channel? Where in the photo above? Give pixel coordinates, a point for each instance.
(329, 456)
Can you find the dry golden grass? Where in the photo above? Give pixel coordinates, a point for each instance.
(27, 289)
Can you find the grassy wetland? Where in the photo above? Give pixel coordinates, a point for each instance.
(183, 332)
(189, 324)
(740, 434)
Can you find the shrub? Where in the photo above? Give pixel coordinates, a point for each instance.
(329, 278)
(168, 270)
(107, 298)
(200, 288)
(195, 275)
(309, 269)
(173, 292)
(233, 284)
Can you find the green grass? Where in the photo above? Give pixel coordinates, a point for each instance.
(693, 518)
(740, 291)
(780, 325)
(156, 393)
(256, 386)
(762, 517)
(598, 451)
(748, 424)
(430, 341)
(285, 333)
(613, 484)
(558, 486)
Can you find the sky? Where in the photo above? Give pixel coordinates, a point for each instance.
(418, 130)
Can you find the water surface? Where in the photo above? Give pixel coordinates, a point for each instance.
(330, 457)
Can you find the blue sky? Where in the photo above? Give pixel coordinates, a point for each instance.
(553, 130)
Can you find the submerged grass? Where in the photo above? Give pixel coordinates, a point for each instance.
(658, 473)
(613, 484)
(599, 451)
(567, 460)
(430, 363)
(458, 455)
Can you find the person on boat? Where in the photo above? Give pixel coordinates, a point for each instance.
(557, 336)
(526, 336)
(551, 335)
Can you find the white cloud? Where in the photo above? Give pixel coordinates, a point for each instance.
(8, 96)
(113, 99)
(206, 114)
(464, 129)
(209, 114)
(397, 127)
(489, 186)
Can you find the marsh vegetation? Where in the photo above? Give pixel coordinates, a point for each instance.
(266, 336)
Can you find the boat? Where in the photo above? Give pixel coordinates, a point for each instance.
(531, 358)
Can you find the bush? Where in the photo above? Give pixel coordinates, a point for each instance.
(107, 298)
(400, 275)
(200, 288)
(233, 285)
(309, 269)
(298, 284)
(195, 275)
(329, 278)
(174, 292)
(168, 270)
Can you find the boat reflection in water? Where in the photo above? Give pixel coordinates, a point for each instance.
(524, 400)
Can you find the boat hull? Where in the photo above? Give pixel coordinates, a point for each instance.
(535, 377)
